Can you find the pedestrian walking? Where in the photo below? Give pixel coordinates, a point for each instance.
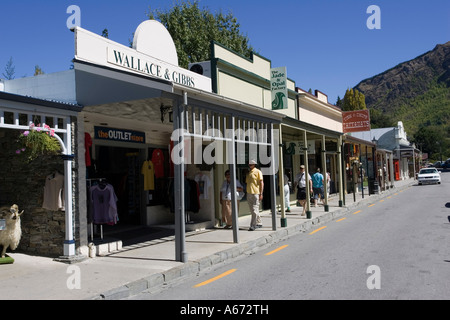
(318, 185)
(255, 189)
(287, 193)
(328, 183)
(300, 181)
(225, 199)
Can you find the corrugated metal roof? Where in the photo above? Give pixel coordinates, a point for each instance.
(38, 101)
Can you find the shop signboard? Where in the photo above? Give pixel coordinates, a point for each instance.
(101, 51)
(150, 67)
(278, 86)
(406, 154)
(103, 133)
(297, 147)
(331, 146)
(355, 121)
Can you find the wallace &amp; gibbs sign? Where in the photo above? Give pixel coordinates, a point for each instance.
(150, 67)
(98, 50)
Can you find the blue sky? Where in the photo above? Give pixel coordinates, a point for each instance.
(325, 44)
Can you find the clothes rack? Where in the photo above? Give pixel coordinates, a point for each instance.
(90, 181)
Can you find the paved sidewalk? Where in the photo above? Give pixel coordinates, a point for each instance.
(139, 267)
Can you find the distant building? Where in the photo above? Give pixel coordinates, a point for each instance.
(406, 156)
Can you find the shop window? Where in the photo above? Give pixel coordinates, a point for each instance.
(9, 117)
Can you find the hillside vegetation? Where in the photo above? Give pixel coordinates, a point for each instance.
(416, 92)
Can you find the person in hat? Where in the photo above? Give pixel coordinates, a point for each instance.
(300, 181)
(255, 189)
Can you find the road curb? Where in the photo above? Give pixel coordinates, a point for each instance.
(194, 267)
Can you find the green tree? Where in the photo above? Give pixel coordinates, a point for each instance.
(9, 70)
(430, 140)
(353, 100)
(193, 29)
(339, 102)
(379, 119)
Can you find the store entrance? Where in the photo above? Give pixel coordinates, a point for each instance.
(121, 168)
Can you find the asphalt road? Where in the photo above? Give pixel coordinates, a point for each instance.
(396, 248)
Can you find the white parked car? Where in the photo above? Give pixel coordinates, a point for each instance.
(429, 175)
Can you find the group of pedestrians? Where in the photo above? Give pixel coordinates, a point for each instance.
(255, 188)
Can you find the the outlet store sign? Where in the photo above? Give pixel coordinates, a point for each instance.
(112, 134)
(153, 54)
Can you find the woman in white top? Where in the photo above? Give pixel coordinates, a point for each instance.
(287, 193)
(300, 181)
(225, 199)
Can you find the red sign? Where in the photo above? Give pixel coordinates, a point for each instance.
(354, 121)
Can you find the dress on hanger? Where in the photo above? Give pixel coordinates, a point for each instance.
(54, 192)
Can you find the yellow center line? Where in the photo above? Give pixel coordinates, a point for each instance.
(389, 197)
(340, 219)
(276, 250)
(381, 200)
(396, 194)
(371, 205)
(318, 229)
(357, 212)
(215, 278)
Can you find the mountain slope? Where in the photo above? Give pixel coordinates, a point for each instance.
(416, 92)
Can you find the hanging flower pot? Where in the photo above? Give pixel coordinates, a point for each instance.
(37, 142)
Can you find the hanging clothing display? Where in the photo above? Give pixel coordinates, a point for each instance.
(103, 204)
(87, 145)
(191, 196)
(194, 196)
(204, 182)
(54, 192)
(148, 171)
(158, 162)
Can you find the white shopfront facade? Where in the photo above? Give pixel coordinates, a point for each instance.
(134, 99)
(309, 120)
